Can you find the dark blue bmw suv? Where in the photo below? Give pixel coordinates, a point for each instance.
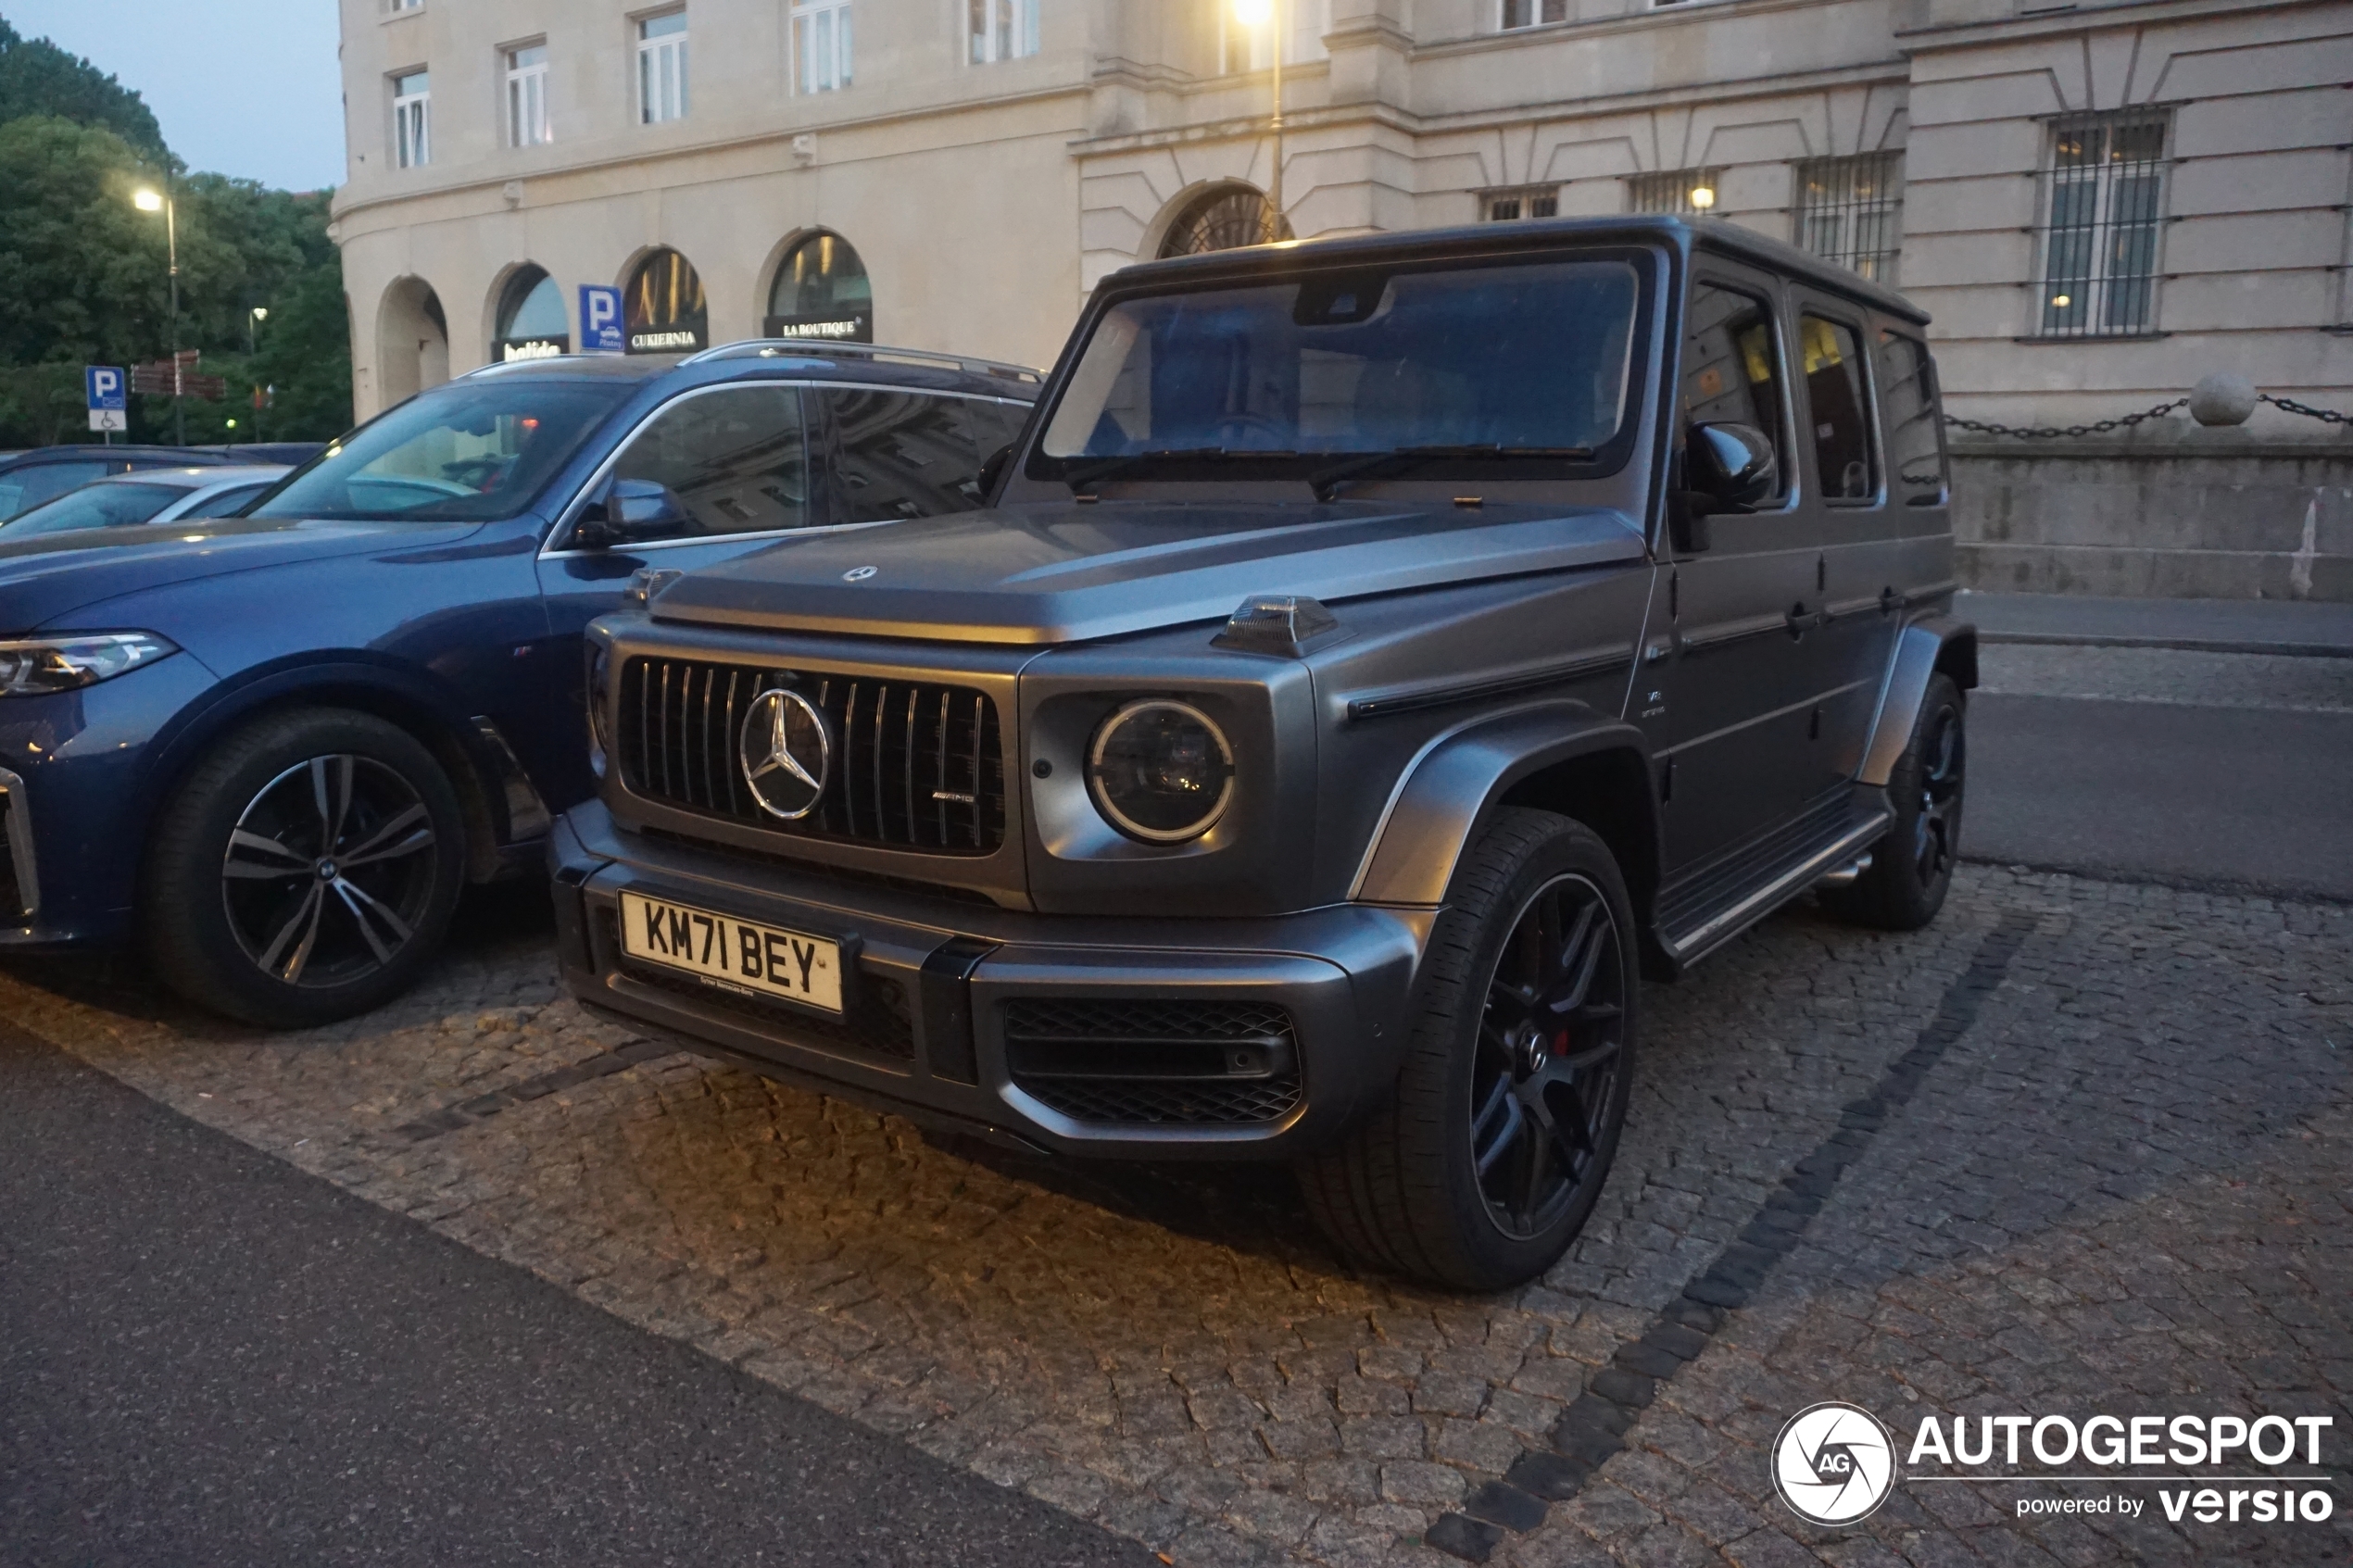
(274, 747)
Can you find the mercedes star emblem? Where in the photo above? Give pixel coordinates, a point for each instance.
(859, 573)
(786, 751)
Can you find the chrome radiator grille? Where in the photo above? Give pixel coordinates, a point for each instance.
(915, 766)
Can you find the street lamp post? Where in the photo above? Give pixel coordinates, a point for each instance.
(1269, 15)
(147, 200)
(254, 317)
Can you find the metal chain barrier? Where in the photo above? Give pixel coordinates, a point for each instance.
(2046, 432)
(2290, 406)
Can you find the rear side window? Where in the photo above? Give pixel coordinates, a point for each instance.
(1838, 408)
(735, 460)
(900, 454)
(1731, 373)
(1915, 421)
(35, 483)
(227, 503)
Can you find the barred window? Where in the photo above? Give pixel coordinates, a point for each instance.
(1532, 13)
(1690, 192)
(1849, 210)
(2103, 207)
(1527, 201)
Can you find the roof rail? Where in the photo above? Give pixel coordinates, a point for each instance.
(815, 348)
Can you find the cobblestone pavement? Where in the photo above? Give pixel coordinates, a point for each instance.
(2279, 682)
(2080, 1147)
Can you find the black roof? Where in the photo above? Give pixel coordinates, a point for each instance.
(1685, 234)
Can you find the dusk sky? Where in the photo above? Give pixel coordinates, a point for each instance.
(243, 87)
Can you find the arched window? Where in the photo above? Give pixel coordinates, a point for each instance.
(821, 291)
(532, 322)
(662, 309)
(1221, 218)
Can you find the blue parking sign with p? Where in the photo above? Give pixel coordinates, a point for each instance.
(105, 390)
(601, 320)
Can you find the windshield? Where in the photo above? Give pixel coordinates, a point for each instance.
(93, 506)
(468, 452)
(1530, 359)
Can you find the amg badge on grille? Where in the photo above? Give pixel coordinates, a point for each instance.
(786, 752)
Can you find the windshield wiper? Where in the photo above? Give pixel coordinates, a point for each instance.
(1325, 482)
(1084, 474)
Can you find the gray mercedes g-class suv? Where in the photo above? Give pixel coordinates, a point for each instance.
(1380, 654)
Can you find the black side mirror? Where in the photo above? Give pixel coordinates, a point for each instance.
(1732, 465)
(631, 512)
(992, 468)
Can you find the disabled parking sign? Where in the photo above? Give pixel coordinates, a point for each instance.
(601, 320)
(104, 389)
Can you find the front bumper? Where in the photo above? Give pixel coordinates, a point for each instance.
(937, 980)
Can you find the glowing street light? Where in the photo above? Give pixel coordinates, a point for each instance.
(1702, 197)
(147, 199)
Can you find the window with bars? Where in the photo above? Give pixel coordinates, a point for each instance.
(1849, 210)
(662, 69)
(1690, 192)
(412, 119)
(1533, 13)
(821, 44)
(1527, 201)
(1001, 30)
(527, 95)
(2103, 211)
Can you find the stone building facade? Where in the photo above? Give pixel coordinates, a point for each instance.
(2100, 203)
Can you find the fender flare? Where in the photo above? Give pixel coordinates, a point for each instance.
(1448, 791)
(1923, 648)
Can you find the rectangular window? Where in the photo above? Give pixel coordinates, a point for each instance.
(527, 96)
(662, 69)
(1533, 13)
(1729, 368)
(2102, 206)
(412, 119)
(1527, 201)
(821, 44)
(1914, 423)
(1849, 211)
(1690, 192)
(1002, 30)
(1837, 406)
(405, 4)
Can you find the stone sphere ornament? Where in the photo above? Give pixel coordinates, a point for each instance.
(2222, 399)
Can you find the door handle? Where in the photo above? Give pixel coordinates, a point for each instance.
(1801, 620)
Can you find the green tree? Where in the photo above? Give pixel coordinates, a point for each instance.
(38, 78)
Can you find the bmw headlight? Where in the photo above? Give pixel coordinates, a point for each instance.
(37, 666)
(1161, 771)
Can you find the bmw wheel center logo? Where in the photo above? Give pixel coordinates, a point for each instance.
(786, 751)
(1834, 1463)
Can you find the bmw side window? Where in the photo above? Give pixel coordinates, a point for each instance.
(1837, 406)
(731, 461)
(996, 426)
(1732, 374)
(900, 454)
(229, 503)
(1915, 422)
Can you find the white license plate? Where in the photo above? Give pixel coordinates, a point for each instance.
(737, 954)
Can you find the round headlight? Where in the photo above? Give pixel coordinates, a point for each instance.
(600, 693)
(1161, 772)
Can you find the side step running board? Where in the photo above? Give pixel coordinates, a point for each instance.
(1780, 882)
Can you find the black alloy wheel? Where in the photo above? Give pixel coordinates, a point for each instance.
(1544, 1076)
(305, 871)
(1493, 1144)
(329, 870)
(1911, 867)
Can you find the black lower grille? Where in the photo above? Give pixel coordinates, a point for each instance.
(1154, 1059)
(879, 1022)
(12, 891)
(915, 766)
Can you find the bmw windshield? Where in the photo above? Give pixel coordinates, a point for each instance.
(467, 452)
(1515, 367)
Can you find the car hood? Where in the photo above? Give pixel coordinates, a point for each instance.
(54, 574)
(1066, 572)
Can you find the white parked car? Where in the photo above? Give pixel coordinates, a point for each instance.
(147, 496)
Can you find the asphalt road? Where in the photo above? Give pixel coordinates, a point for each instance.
(208, 1357)
(2247, 800)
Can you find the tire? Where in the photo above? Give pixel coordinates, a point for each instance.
(242, 910)
(1911, 867)
(1407, 1193)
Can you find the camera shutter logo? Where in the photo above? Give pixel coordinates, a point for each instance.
(1834, 1463)
(786, 751)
